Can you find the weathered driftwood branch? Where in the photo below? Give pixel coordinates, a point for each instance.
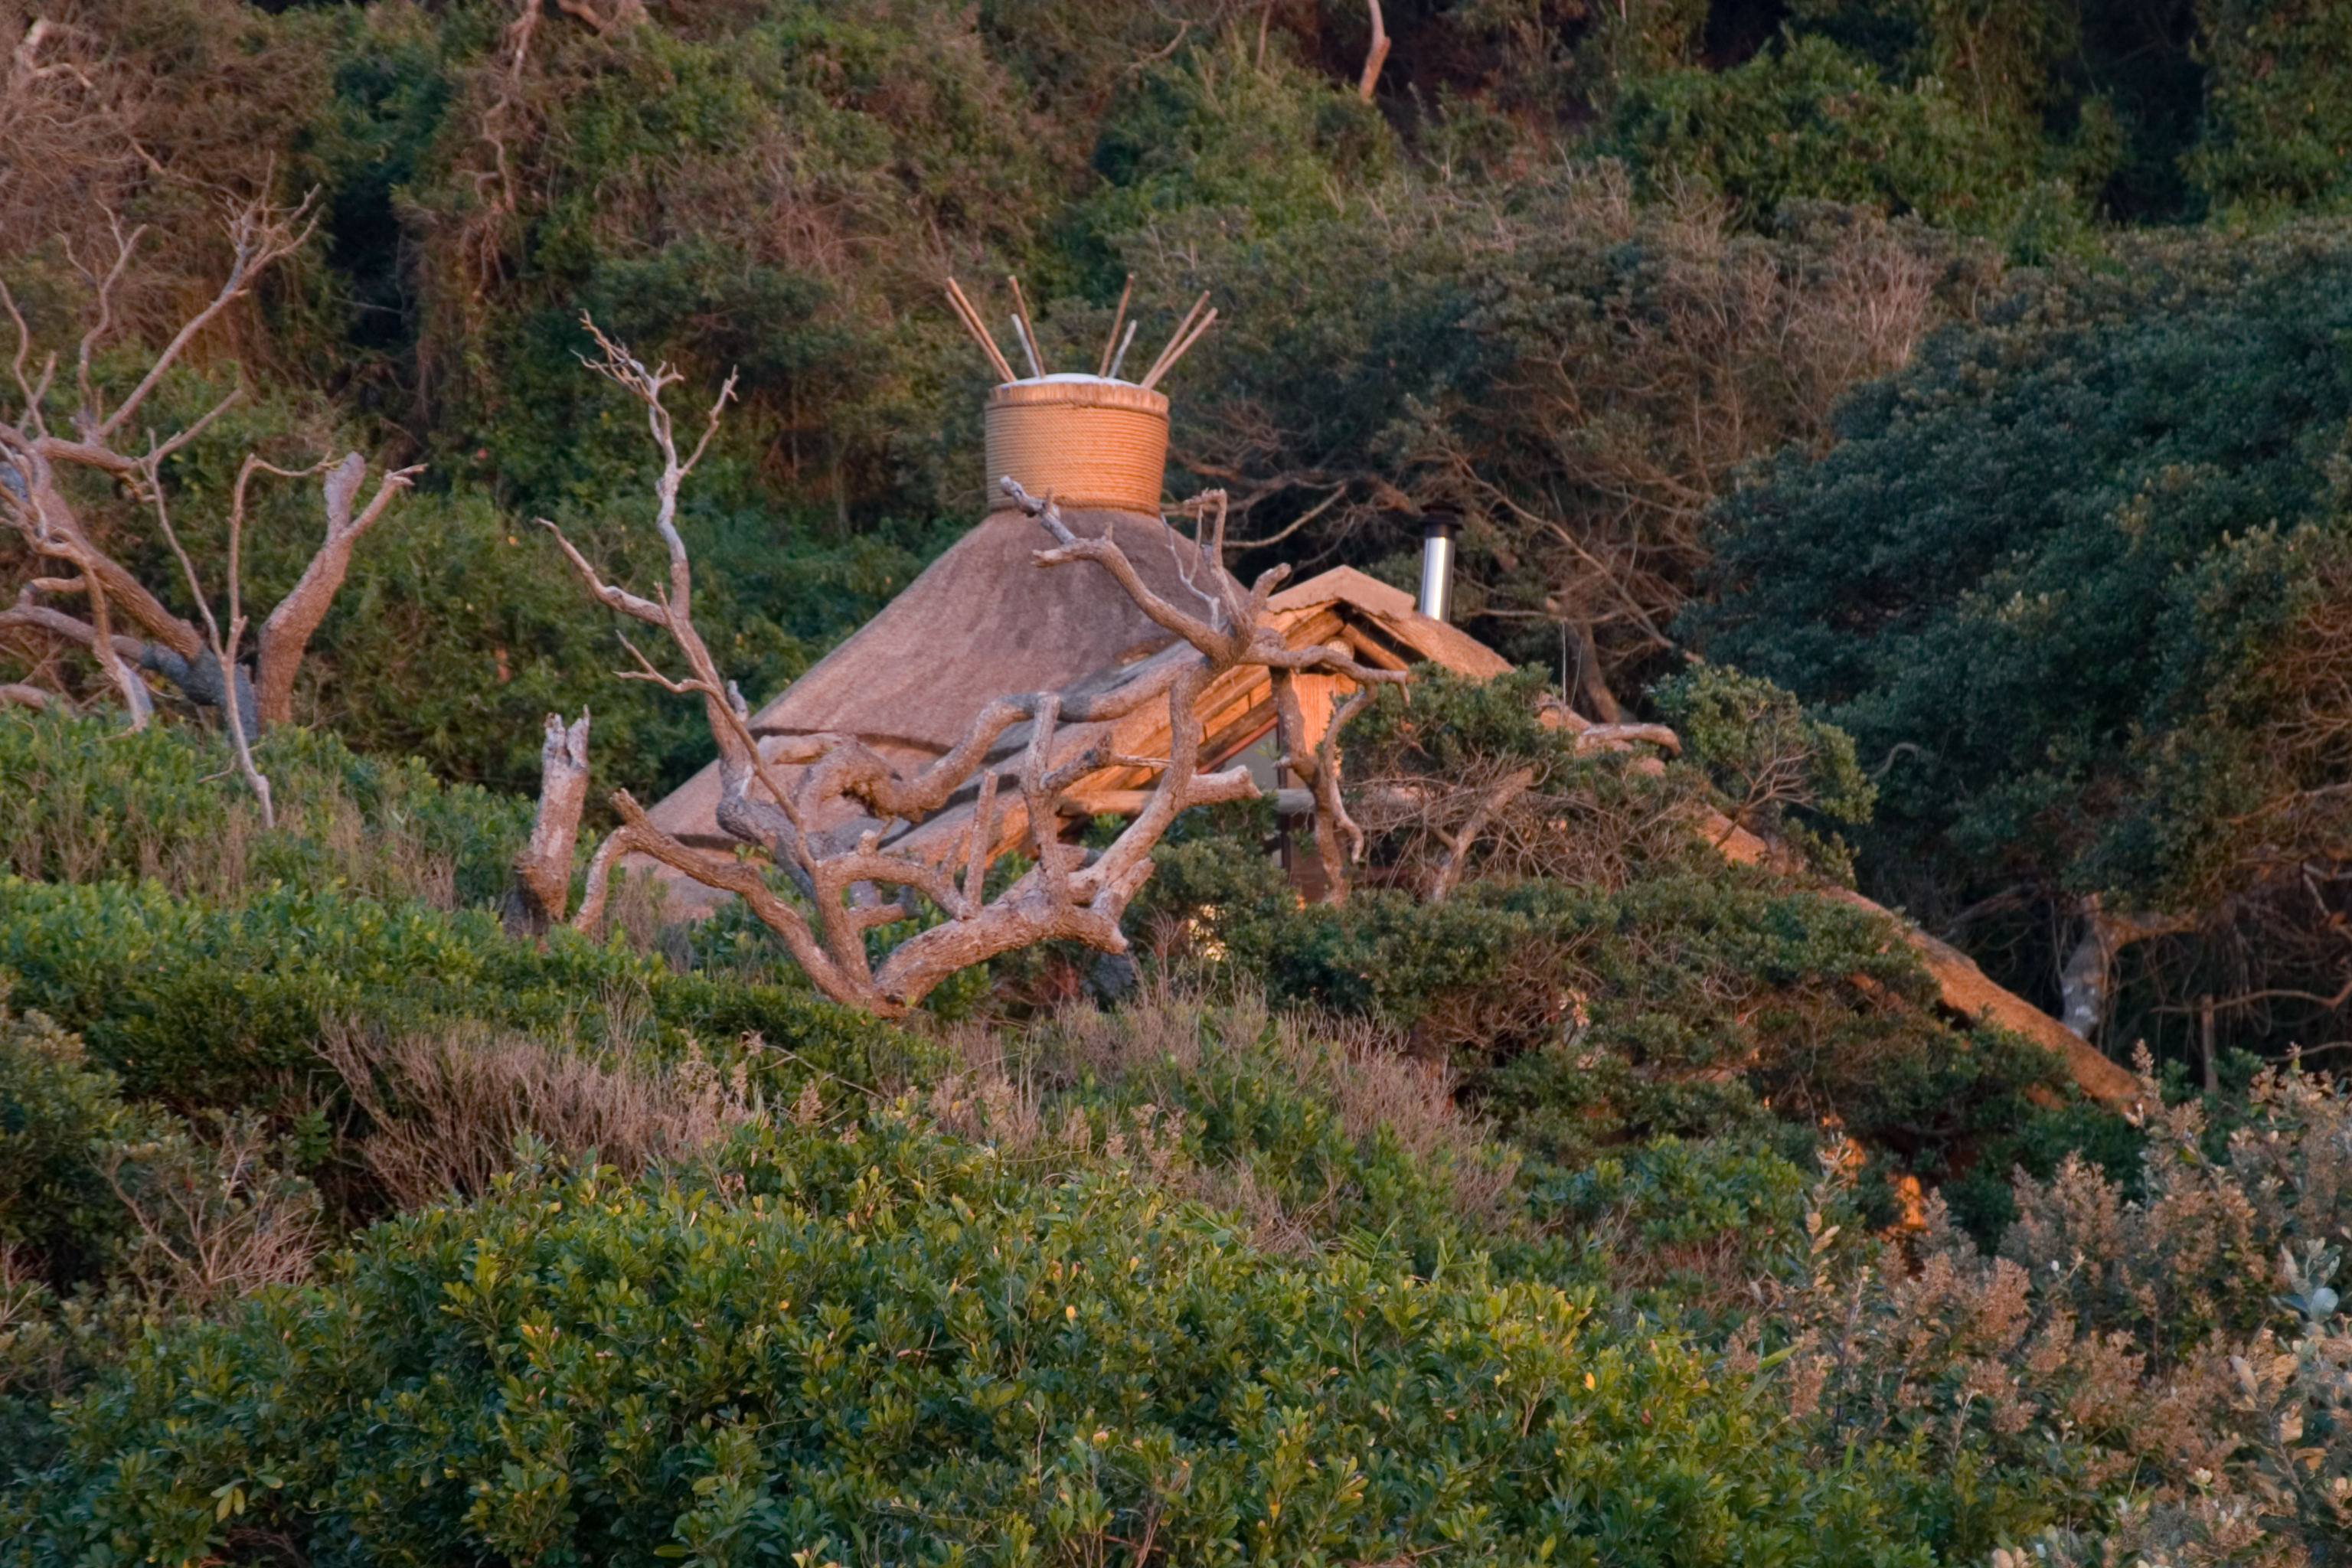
(1375, 56)
(844, 895)
(35, 463)
(543, 866)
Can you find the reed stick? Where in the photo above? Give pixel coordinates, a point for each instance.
(1160, 364)
(979, 330)
(1177, 349)
(1117, 316)
(1028, 325)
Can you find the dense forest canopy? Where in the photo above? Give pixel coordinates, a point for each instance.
(1565, 272)
(1936, 411)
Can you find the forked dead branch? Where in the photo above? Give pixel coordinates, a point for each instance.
(125, 626)
(845, 893)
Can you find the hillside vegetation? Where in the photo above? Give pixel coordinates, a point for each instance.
(1935, 411)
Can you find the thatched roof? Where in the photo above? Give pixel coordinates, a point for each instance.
(981, 621)
(986, 620)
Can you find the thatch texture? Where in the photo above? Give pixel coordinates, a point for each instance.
(981, 621)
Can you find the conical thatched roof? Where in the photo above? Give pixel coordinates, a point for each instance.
(981, 621)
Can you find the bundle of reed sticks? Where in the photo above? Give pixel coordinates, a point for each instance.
(1113, 355)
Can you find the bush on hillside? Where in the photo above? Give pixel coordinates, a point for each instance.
(2053, 579)
(2278, 116)
(890, 1343)
(201, 1006)
(81, 802)
(1571, 372)
(2167, 1375)
(1808, 119)
(1600, 976)
(59, 1221)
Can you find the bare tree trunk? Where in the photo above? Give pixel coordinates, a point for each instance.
(2087, 975)
(2205, 1043)
(1375, 56)
(543, 866)
(1590, 683)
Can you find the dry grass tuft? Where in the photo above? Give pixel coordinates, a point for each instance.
(1163, 1039)
(449, 1109)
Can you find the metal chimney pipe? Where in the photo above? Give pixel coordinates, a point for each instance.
(1437, 567)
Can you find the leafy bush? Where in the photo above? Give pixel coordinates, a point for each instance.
(1316, 1129)
(81, 803)
(460, 627)
(1763, 753)
(1682, 1004)
(2035, 580)
(1809, 120)
(58, 1215)
(200, 1005)
(2277, 117)
(2166, 1376)
(1574, 383)
(888, 1344)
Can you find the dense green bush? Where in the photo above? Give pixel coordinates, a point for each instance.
(1812, 120)
(81, 802)
(1603, 976)
(891, 1346)
(2053, 579)
(57, 1213)
(2181, 1330)
(461, 626)
(200, 1004)
(2278, 118)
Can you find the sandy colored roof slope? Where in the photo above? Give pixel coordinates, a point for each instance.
(981, 621)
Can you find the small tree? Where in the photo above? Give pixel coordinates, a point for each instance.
(1068, 893)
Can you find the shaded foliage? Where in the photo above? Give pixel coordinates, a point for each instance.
(2067, 583)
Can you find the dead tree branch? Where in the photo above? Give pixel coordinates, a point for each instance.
(38, 465)
(543, 865)
(1375, 56)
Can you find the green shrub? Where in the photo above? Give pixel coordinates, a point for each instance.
(1766, 757)
(57, 1111)
(888, 1346)
(84, 803)
(1681, 1004)
(2278, 119)
(1808, 119)
(198, 1006)
(2186, 1334)
(2037, 579)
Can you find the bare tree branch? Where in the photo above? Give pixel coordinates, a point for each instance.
(202, 656)
(285, 635)
(1375, 56)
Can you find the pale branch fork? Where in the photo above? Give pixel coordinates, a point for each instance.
(35, 465)
(842, 896)
(543, 866)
